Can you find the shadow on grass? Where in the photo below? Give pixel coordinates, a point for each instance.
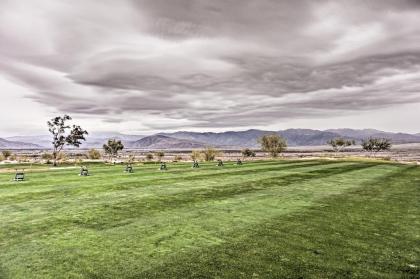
(123, 213)
(113, 215)
(348, 238)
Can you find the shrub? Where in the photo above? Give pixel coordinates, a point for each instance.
(195, 155)
(6, 154)
(248, 152)
(13, 157)
(23, 159)
(131, 159)
(2, 157)
(47, 156)
(62, 157)
(160, 155)
(94, 154)
(149, 157)
(209, 154)
(80, 155)
(178, 158)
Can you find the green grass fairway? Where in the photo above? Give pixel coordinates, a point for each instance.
(268, 219)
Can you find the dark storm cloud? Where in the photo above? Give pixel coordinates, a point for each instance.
(269, 76)
(246, 18)
(212, 63)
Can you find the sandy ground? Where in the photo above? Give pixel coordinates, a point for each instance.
(405, 153)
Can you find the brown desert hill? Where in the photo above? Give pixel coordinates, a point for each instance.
(165, 142)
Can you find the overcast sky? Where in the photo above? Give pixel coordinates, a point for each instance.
(154, 65)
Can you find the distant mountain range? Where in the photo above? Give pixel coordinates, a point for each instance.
(230, 139)
(165, 142)
(362, 134)
(94, 140)
(294, 137)
(8, 144)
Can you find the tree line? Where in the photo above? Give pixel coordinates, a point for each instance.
(372, 145)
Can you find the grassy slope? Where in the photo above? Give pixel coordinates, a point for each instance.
(264, 219)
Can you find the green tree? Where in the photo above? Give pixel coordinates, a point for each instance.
(273, 144)
(64, 134)
(375, 145)
(113, 147)
(338, 144)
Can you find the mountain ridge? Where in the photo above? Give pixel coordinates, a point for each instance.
(7, 144)
(234, 139)
(164, 142)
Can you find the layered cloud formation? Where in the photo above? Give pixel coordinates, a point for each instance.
(180, 64)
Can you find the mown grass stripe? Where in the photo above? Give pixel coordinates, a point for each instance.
(48, 179)
(108, 207)
(134, 182)
(218, 222)
(173, 219)
(319, 242)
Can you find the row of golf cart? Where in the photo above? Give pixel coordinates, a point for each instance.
(84, 171)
